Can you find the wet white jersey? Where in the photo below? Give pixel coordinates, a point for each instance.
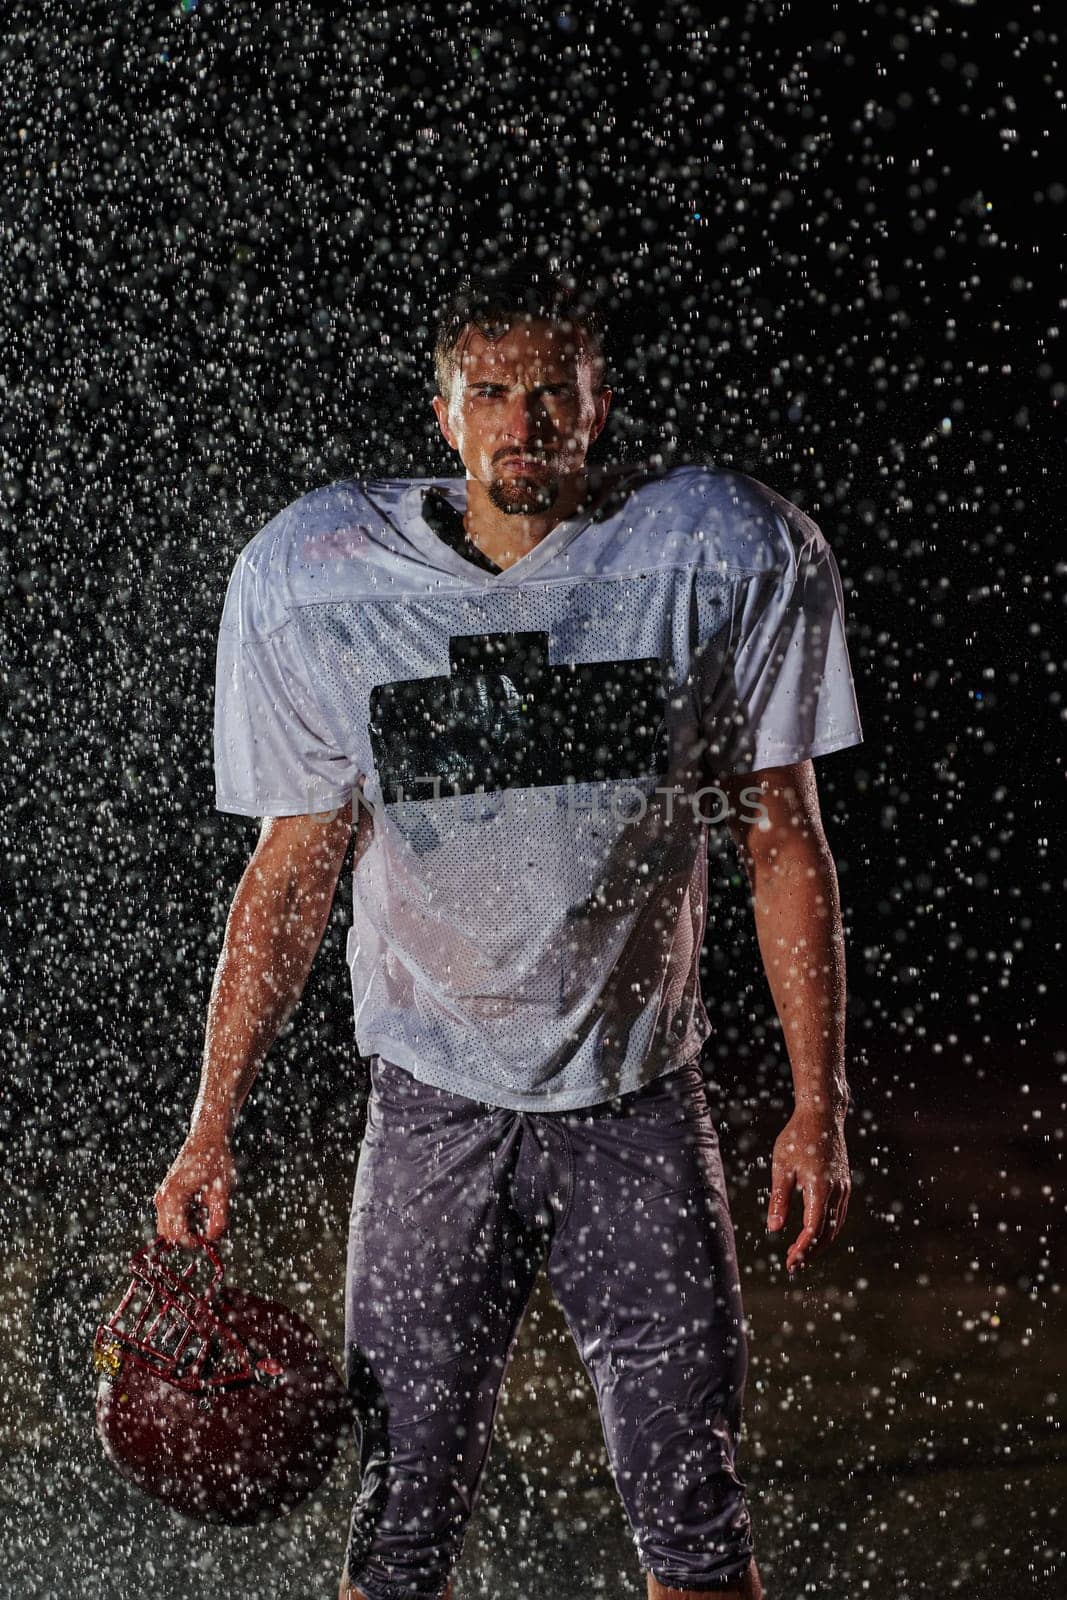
(537, 748)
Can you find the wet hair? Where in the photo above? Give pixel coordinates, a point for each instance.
(492, 302)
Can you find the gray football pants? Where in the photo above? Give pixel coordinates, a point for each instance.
(456, 1206)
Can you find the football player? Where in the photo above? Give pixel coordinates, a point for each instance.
(530, 690)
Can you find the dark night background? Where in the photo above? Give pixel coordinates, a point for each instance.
(834, 235)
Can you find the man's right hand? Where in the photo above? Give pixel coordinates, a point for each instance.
(194, 1197)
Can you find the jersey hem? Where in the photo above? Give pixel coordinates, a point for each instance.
(399, 1055)
(280, 808)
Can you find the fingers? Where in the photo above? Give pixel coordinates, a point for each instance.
(217, 1207)
(801, 1250)
(810, 1156)
(782, 1185)
(193, 1200)
(825, 1206)
(842, 1209)
(835, 1211)
(173, 1219)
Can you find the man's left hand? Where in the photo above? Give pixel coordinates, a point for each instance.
(810, 1155)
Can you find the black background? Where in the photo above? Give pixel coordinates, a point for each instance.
(834, 237)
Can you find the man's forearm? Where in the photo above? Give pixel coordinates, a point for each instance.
(271, 938)
(797, 912)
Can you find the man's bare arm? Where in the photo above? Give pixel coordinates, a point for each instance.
(797, 912)
(276, 923)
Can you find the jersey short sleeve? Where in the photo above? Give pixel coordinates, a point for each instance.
(275, 755)
(784, 690)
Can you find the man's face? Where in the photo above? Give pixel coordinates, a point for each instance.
(523, 412)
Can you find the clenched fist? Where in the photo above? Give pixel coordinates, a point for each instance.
(196, 1190)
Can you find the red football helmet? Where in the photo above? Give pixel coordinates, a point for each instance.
(220, 1403)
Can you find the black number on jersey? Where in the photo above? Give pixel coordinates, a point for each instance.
(504, 718)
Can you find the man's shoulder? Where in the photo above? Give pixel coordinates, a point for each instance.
(742, 523)
(321, 522)
(298, 556)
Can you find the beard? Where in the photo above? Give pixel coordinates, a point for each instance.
(524, 497)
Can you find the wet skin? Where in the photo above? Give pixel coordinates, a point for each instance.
(523, 410)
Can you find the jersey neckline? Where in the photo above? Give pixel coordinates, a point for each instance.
(413, 525)
(446, 521)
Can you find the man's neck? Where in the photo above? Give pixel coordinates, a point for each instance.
(505, 536)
